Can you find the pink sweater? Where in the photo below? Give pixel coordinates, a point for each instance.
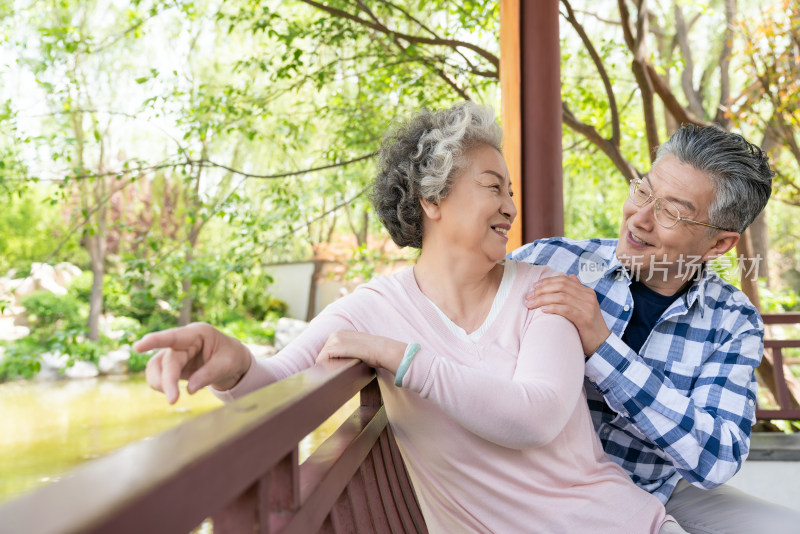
(495, 433)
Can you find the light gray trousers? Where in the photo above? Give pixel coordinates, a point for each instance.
(727, 510)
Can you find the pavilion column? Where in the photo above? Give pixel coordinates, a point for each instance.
(530, 80)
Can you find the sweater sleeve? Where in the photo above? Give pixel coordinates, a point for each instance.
(297, 356)
(528, 410)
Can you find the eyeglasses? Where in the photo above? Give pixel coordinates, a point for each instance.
(665, 212)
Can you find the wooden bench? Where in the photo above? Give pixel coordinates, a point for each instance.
(239, 466)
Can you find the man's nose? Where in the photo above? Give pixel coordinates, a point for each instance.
(643, 216)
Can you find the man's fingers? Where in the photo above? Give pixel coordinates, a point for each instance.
(567, 312)
(549, 300)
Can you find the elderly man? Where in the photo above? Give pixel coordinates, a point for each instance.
(671, 349)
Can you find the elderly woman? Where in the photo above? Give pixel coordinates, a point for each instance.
(484, 397)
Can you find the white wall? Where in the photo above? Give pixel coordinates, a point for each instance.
(292, 283)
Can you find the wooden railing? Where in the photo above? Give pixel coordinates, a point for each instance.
(773, 373)
(239, 466)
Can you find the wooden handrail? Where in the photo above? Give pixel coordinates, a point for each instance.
(239, 465)
(774, 369)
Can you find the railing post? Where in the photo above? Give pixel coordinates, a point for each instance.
(371, 394)
(267, 505)
(283, 491)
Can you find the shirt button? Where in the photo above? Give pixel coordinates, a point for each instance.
(751, 402)
(626, 308)
(624, 414)
(591, 378)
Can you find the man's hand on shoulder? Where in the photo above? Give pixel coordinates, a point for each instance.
(567, 297)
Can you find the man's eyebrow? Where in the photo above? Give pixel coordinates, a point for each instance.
(685, 203)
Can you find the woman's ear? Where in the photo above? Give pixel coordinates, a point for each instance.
(432, 211)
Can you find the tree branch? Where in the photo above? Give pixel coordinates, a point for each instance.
(203, 163)
(439, 71)
(724, 64)
(609, 148)
(598, 62)
(695, 102)
(661, 88)
(639, 67)
(452, 43)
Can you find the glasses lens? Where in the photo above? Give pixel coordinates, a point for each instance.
(639, 192)
(666, 213)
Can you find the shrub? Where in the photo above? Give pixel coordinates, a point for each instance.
(21, 359)
(250, 331)
(138, 361)
(48, 312)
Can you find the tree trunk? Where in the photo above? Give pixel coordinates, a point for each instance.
(759, 237)
(312, 292)
(758, 230)
(185, 315)
(187, 301)
(96, 245)
(744, 250)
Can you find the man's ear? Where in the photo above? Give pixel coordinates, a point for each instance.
(723, 242)
(432, 211)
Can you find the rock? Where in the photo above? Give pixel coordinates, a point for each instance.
(286, 330)
(115, 362)
(25, 288)
(81, 369)
(52, 364)
(10, 330)
(107, 329)
(65, 272)
(42, 277)
(262, 351)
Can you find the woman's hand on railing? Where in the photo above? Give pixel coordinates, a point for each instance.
(198, 353)
(375, 351)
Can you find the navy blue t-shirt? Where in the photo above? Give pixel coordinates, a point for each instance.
(648, 307)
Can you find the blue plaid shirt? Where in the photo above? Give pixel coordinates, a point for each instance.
(684, 405)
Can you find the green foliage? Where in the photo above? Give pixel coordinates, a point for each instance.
(20, 360)
(49, 313)
(250, 331)
(138, 361)
(30, 229)
(786, 300)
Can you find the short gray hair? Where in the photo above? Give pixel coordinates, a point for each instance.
(739, 170)
(419, 158)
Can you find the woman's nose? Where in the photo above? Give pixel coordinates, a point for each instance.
(509, 209)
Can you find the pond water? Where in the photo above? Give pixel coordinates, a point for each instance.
(48, 428)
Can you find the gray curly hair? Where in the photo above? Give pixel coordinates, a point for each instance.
(419, 158)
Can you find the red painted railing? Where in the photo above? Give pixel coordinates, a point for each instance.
(239, 466)
(773, 370)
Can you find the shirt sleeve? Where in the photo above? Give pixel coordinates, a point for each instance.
(297, 356)
(528, 410)
(705, 432)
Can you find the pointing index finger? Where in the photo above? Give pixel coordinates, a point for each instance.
(174, 338)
